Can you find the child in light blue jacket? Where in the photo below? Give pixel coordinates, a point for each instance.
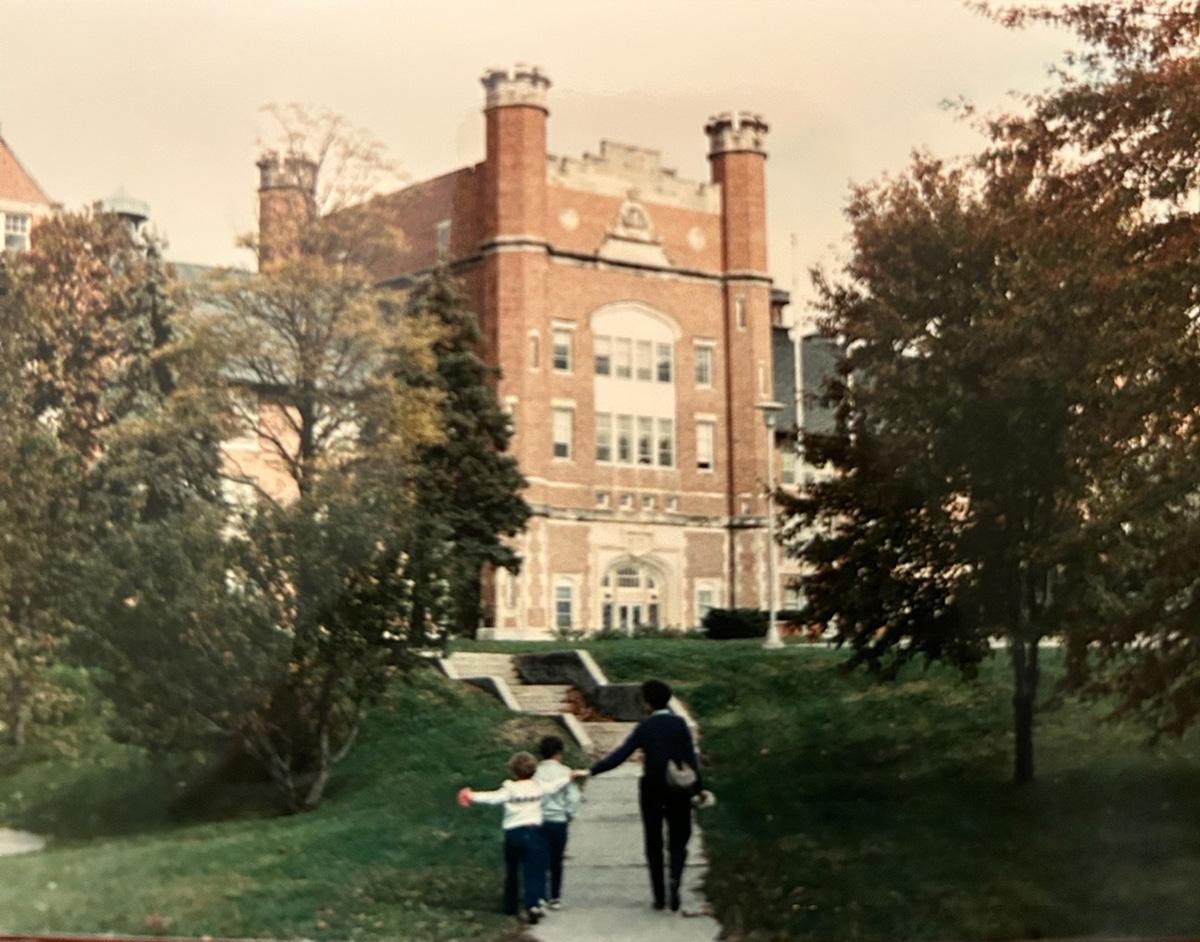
(558, 808)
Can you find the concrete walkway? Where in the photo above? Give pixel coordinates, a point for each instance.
(606, 889)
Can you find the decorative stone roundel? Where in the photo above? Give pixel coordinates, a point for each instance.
(696, 239)
(569, 219)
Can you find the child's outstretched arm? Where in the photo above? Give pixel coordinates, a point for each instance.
(468, 796)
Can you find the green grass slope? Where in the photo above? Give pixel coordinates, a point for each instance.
(851, 810)
(388, 855)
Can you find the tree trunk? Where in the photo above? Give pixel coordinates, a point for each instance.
(16, 716)
(1024, 655)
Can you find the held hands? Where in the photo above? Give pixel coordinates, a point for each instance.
(464, 797)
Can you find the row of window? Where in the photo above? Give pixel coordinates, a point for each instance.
(625, 358)
(634, 440)
(627, 502)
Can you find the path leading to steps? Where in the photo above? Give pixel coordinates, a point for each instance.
(19, 842)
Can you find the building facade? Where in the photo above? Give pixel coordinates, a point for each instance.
(22, 201)
(631, 316)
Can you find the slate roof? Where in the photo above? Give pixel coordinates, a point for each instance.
(15, 182)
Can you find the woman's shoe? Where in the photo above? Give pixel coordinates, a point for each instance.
(675, 901)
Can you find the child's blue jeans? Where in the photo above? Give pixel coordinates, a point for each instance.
(524, 854)
(555, 834)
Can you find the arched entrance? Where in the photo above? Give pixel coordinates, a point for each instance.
(632, 594)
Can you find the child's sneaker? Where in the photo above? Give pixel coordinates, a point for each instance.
(555, 904)
(535, 915)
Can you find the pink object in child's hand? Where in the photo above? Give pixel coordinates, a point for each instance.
(464, 797)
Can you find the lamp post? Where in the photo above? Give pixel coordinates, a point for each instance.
(770, 411)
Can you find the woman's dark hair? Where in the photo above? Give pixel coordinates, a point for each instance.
(656, 694)
(550, 746)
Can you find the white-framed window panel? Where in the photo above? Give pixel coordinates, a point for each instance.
(647, 502)
(602, 499)
(666, 443)
(706, 601)
(664, 362)
(622, 358)
(645, 440)
(645, 360)
(624, 439)
(564, 432)
(16, 232)
(564, 605)
(604, 442)
(562, 350)
(704, 366)
(627, 502)
(706, 437)
(602, 348)
(787, 462)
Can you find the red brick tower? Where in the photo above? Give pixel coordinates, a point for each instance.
(738, 163)
(286, 203)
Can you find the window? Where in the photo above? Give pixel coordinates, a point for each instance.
(705, 439)
(562, 351)
(705, 602)
(672, 503)
(564, 607)
(629, 577)
(606, 616)
(645, 440)
(739, 306)
(533, 350)
(16, 232)
(664, 358)
(603, 348)
(704, 366)
(647, 502)
(623, 348)
(666, 443)
(564, 421)
(602, 499)
(627, 502)
(787, 473)
(441, 236)
(603, 437)
(793, 598)
(624, 439)
(645, 360)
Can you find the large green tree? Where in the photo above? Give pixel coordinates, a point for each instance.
(1121, 127)
(469, 488)
(986, 402)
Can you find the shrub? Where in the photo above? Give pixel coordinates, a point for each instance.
(721, 624)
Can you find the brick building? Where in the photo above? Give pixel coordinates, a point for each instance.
(631, 315)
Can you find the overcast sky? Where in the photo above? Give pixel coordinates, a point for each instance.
(164, 98)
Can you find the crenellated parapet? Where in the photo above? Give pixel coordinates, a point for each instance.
(736, 131)
(524, 85)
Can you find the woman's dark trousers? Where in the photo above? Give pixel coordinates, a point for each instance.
(524, 856)
(660, 806)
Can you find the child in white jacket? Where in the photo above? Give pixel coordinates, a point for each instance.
(524, 846)
(558, 808)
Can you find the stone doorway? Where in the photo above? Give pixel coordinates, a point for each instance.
(632, 597)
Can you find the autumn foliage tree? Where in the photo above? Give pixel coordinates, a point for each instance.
(1015, 452)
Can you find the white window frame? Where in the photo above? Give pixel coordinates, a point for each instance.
(645, 436)
(626, 434)
(706, 355)
(622, 358)
(666, 436)
(16, 226)
(664, 362)
(567, 585)
(604, 438)
(441, 238)
(602, 352)
(706, 441)
(643, 357)
(565, 442)
(562, 354)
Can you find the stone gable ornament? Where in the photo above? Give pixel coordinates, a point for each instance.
(632, 238)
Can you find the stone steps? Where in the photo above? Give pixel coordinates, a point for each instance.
(543, 698)
(607, 736)
(472, 664)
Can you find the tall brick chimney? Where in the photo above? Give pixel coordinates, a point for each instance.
(515, 185)
(286, 203)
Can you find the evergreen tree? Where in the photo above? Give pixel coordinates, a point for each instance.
(469, 488)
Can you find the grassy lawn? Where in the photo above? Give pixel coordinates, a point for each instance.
(855, 811)
(388, 855)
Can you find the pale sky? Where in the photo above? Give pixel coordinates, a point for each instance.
(164, 98)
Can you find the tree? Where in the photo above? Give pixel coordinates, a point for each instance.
(1121, 126)
(320, 356)
(470, 490)
(984, 404)
(38, 522)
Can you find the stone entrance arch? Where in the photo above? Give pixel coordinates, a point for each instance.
(633, 594)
